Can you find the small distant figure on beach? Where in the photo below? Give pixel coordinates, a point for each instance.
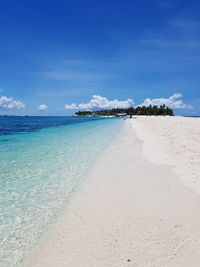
(131, 116)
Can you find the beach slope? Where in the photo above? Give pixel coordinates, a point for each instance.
(129, 212)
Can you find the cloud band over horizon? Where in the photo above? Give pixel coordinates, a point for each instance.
(100, 102)
(173, 102)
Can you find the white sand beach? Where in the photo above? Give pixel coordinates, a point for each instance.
(173, 141)
(139, 205)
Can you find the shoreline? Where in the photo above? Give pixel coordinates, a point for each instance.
(60, 219)
(128, 212)
(39, 171)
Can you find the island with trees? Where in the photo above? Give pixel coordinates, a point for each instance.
(162, 110)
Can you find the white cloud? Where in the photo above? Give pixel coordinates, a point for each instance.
(10, 103)
(174, 102)
(42, 107)
(71, 106)
(100, 102)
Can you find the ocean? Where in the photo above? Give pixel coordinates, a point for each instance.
(42, 161)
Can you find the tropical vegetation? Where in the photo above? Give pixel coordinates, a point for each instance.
(162, 110)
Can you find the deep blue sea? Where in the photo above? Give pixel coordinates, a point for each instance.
(42, 160)
(14, 124)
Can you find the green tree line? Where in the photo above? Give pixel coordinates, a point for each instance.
(140, 110)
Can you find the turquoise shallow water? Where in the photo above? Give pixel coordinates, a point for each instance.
(38, 172)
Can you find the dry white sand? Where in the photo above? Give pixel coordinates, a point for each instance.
(129, 212)
(173, 141)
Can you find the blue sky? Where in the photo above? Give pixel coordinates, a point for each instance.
(61, 52)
